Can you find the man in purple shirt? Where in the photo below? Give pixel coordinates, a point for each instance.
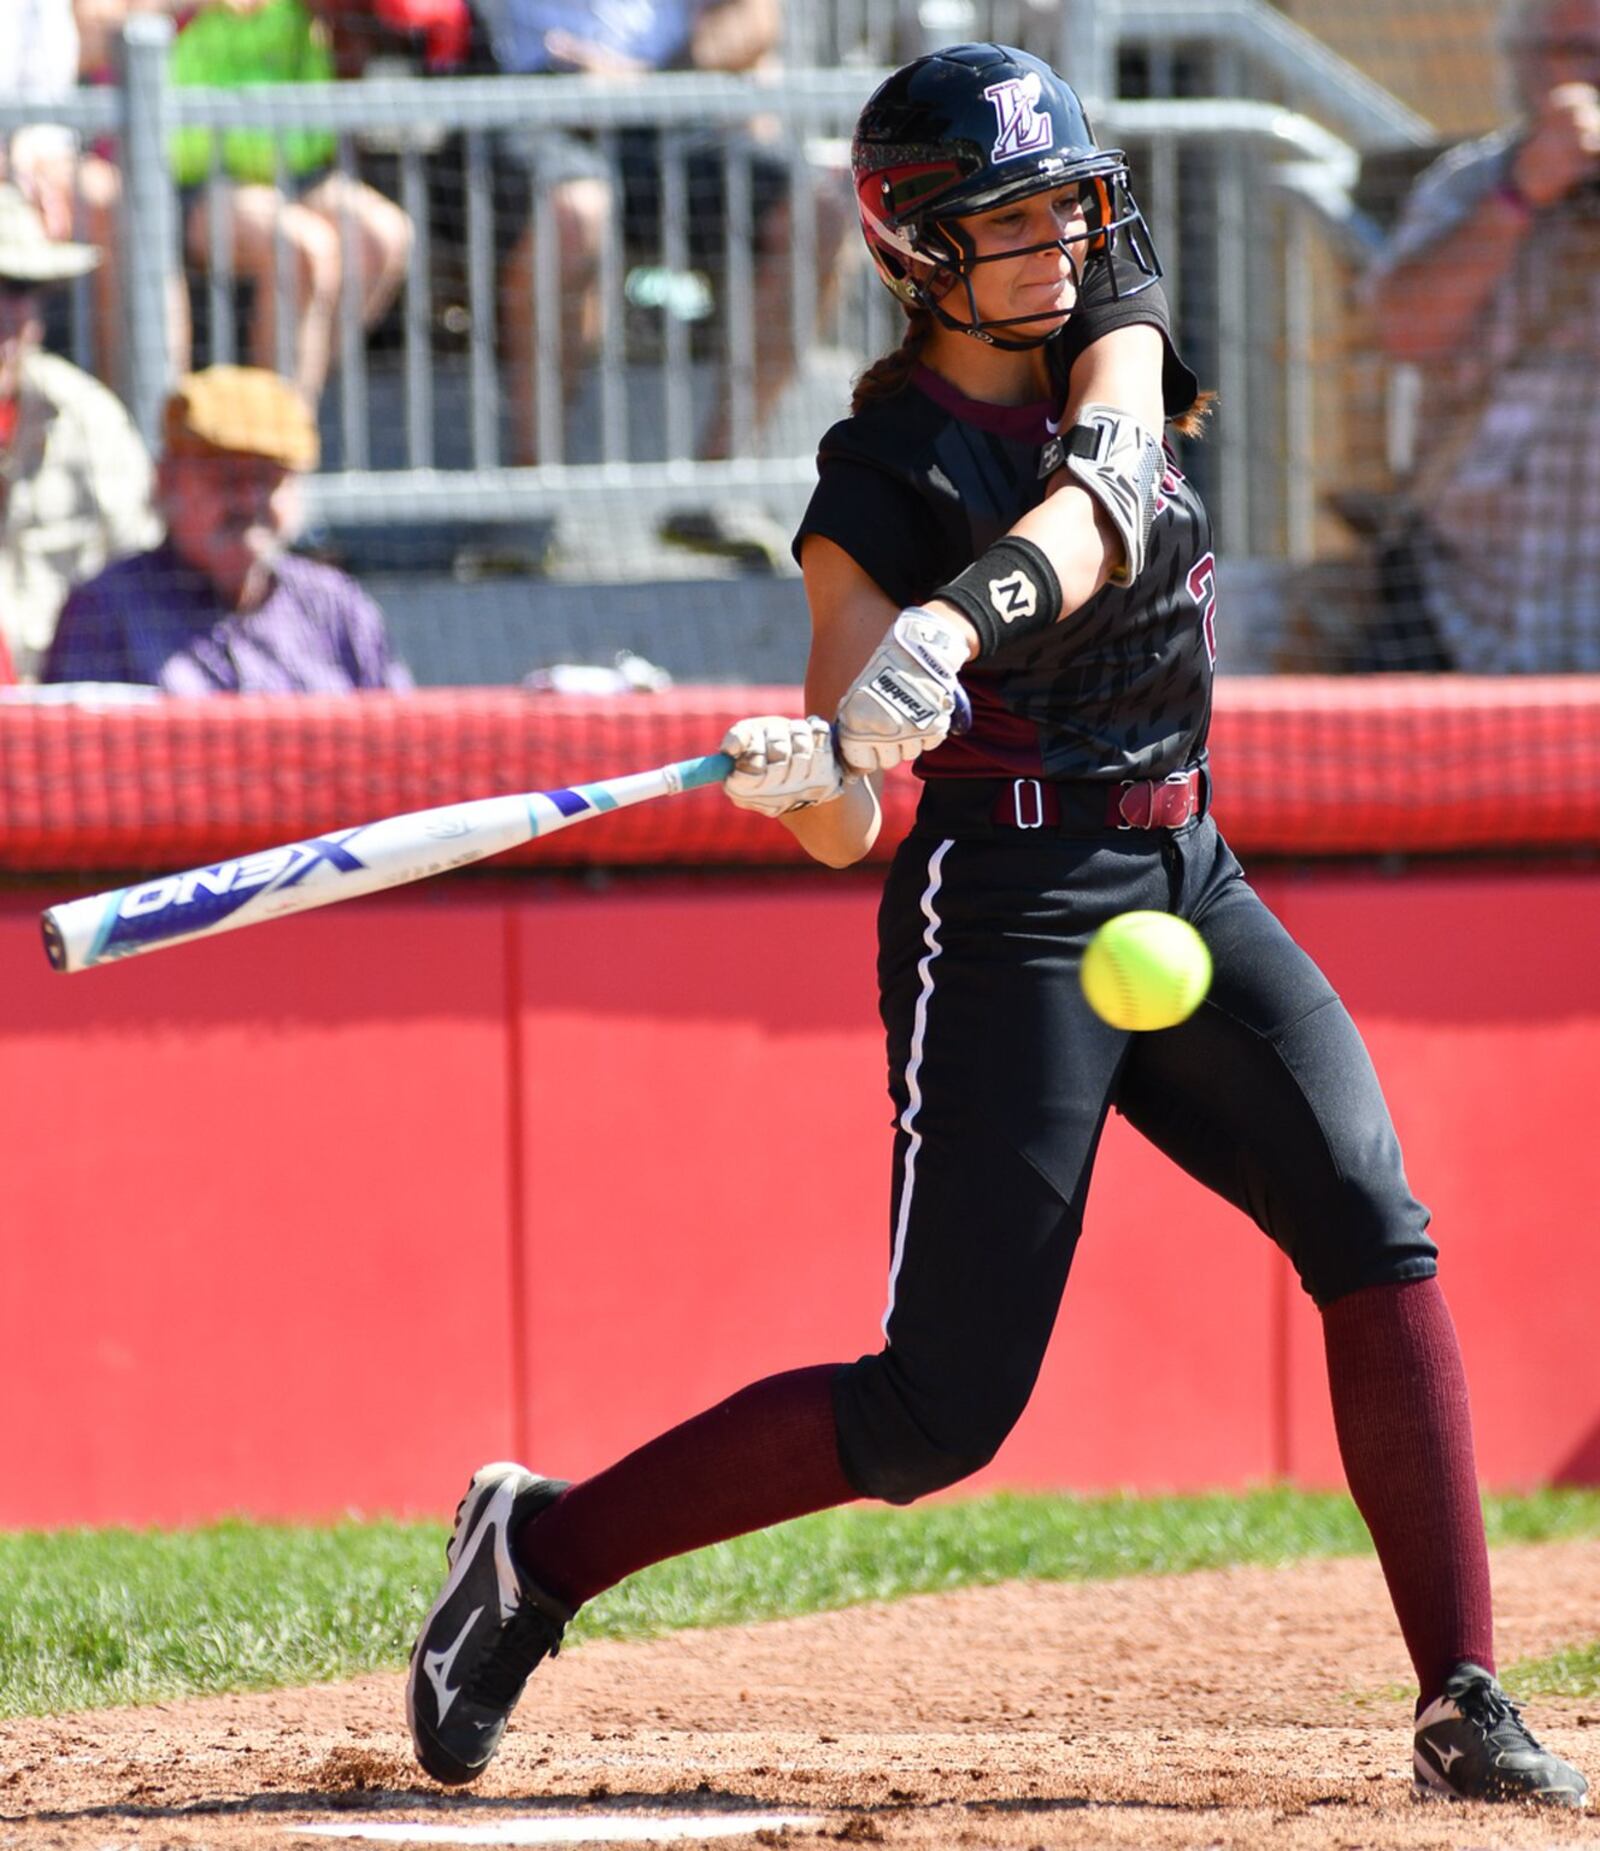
(221, 606)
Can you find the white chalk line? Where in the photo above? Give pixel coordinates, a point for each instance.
(577, 1829)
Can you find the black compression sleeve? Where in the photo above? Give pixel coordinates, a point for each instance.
(1009, 591)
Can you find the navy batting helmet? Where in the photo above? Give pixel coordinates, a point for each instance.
(970, 128)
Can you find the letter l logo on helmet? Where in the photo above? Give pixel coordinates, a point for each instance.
(1022, 130)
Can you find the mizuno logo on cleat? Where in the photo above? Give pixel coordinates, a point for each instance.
(437, 1666)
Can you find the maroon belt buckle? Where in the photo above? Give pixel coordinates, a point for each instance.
(1167, 803)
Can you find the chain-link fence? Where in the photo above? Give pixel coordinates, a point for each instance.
(564, 330)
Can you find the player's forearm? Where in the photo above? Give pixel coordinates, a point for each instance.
(1076, 536)
(1424, 308)
(840, 833)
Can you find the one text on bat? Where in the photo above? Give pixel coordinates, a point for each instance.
(274, 867)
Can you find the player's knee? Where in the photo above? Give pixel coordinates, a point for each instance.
(1372, 1236)
(898, 1446)
(911, 1471)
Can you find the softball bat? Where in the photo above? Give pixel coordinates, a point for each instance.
(342, 865)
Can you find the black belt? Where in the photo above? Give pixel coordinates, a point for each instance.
(1084, 806)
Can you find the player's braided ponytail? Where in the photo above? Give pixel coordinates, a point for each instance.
(888, 376)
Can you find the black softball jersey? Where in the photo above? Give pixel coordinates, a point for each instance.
(918, 484)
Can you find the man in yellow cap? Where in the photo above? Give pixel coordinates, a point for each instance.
(74, 475)
(222, 606)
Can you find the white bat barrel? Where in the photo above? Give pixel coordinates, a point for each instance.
(342, 865)
(271, 884)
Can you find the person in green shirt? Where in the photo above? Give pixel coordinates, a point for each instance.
(234, 42)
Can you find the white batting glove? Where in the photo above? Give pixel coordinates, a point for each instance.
(781, 765)
(906, 698)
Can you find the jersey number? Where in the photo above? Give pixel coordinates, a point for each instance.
(1202, 584)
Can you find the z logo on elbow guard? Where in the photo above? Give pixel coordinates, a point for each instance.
(1202, 586)
(1013, 596)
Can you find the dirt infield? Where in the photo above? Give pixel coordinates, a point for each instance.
(1241, 1708)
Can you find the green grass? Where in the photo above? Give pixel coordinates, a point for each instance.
(1572, 1673)
(115, 1616)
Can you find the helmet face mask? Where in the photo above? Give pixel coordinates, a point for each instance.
(1101, 225)
(965, 131)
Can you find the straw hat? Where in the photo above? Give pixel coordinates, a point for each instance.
(28, 254)
(243, 409)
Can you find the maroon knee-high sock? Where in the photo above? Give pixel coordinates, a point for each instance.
(764, 1455)
(1405, 1435)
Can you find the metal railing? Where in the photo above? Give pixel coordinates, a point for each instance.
(1258, 163)
(1083, 38)
(1271, 47)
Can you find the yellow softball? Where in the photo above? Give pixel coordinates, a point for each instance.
(1146, 970)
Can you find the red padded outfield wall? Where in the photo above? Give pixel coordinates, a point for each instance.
(318, 1216)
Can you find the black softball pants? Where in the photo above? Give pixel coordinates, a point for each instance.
(1002, 1077)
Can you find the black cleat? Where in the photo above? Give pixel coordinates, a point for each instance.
(485, 1633)
(1472, 1744)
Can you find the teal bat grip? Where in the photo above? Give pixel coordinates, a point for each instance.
(712, 769)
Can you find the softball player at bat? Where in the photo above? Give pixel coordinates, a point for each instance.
(998, 526)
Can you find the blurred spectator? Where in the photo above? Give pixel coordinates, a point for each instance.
(430, 35)
(222, 606)
(1490, 285)
(74, 476)
(607, 40)
(39, 64)
(233, 42)
(49, 48)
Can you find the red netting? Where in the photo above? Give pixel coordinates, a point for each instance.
(1403, 763)
(1303, 767)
